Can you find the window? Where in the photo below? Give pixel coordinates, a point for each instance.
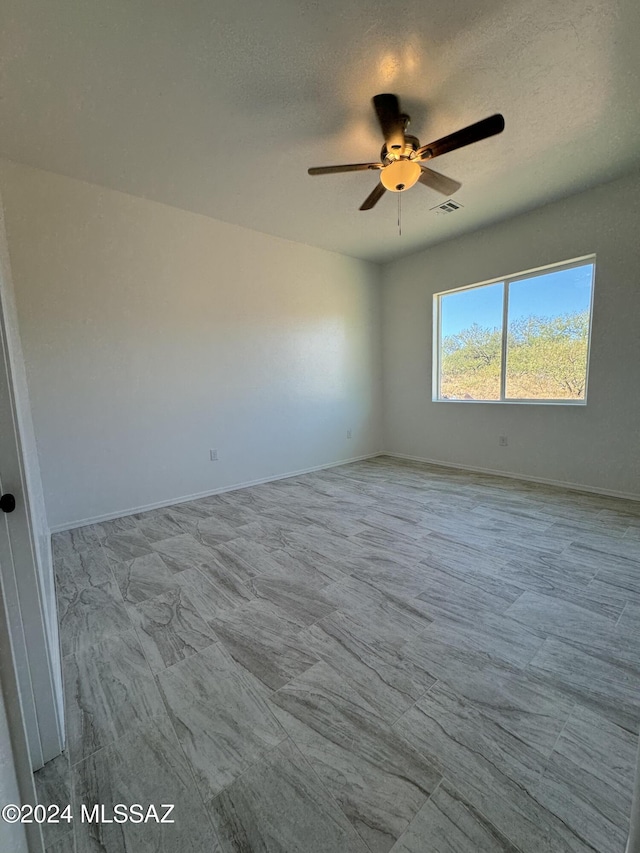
(521, 339)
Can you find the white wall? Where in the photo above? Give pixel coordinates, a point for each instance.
(151, 335)
(596, 446)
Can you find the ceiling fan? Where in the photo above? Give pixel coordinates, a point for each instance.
(402, 155)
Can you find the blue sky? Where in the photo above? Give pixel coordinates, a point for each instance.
(560, 292)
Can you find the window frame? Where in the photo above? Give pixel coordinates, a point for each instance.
(506, 281)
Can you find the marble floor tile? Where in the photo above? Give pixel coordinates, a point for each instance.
(523, 515)
(70, 544)
(401, 506)
(184, 552)
(558, 577)
(255, 554)
(519, 702)
(544, 567)
(386, 655)
(271, 504)
(64, 845)
(192, 511)
(628, 624)
(53, 788)
(611, 559)
(356, 754)
(486, 531)
(487, 728)
(370, 557)
(105, 529)
(555, 617)
(328, 567)
(623, 588)
(502, 545)
(170, 628)
(158, 524)
(488, 585)
(447, 823)
(90, 614)
(444, 552)
(342, 521)
(280, 805)
(492, 637)
(126, 545)
(258, 638)
(108, 689)
(305, 567)
(143, 578)
(607, 688)
(227, 508)
(300, 603)
(380, 671)
(617, 647)
(396, 578)
(354, 596)
(509, 806)
(385, 622)
(220, 715)
(214, 531)
(594, 537)
(81, 568)
(402, 528)
(622, 517)
(447, 593)
(145, 766)
(625, 578)
(272, 534)
(250, 502)
(586, 780)
(213, 590)
(376, 537)
(244, 560)
(337, 548)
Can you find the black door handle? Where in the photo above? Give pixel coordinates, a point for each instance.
(7, 503)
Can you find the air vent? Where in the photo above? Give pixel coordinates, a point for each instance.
(447, 207)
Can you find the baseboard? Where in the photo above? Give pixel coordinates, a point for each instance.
(60, 528)
(574, 487)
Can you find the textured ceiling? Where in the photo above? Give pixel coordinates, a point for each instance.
(219, 107)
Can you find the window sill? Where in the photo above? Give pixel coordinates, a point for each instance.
(515, 402)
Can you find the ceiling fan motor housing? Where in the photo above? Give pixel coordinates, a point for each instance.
(400, 175)
(411, 144)
(399, 172)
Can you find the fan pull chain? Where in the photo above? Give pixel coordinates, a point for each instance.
(399, 214)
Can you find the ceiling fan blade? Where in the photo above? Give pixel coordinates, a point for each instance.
(391, 120)
(474, 133)
(348, 167)
(373, 198)
(439, 183)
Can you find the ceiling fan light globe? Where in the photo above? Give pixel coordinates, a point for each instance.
(400, 175)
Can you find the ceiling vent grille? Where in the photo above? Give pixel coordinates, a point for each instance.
(447, 207)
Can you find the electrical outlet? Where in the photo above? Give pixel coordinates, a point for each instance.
(503, 441)
(213, 455)
(348, 433)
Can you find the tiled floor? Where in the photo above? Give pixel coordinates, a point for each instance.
(379, 657)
